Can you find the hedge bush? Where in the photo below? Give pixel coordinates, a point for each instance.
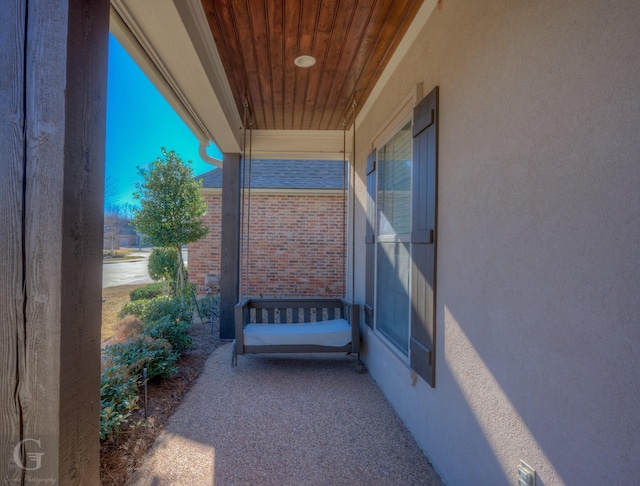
(156, 355)
(134, 308)
(157, 332)
(146, 292)
(153, 309)
(176, 332)
(166, 306)
(118, 400)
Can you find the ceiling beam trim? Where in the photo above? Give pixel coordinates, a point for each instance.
(300, 144)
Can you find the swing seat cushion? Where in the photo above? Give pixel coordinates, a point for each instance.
(336, 332)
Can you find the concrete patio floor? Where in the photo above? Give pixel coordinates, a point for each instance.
(284, 420)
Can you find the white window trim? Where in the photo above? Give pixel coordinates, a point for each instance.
(398, 118)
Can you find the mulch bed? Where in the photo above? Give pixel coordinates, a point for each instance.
(120, 455)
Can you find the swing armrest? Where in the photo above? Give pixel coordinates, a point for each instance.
(241, 318)
(352, 315)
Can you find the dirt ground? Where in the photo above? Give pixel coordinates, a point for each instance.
(118, 457)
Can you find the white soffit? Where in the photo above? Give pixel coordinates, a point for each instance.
(171, 43)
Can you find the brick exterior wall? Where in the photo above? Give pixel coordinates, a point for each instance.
(296, 246)
(204, 255)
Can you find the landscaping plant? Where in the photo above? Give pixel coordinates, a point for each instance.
(167, 306)
(210, 306)
(163, 266)
(146, 292)
(118, 400)
(154, 333)
(134, 308)
(176, 332)
(154, 309)
(171, 207)
(156, 355)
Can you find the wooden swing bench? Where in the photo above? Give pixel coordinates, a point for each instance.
(313, 325)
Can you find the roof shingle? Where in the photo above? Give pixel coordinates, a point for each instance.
(287, 174)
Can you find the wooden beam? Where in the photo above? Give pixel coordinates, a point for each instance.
(12, 145)
(230, 244)
(52, 135)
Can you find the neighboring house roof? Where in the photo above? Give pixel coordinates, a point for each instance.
(287, 174)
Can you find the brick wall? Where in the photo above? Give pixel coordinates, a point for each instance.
(296, 246)
(204, 255)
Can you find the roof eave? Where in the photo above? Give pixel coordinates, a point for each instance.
(171, 43)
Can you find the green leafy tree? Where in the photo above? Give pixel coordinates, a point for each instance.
(170, 207)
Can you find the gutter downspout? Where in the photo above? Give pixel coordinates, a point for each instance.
(205, 156)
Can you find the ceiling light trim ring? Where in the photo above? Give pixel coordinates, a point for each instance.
(305, 61)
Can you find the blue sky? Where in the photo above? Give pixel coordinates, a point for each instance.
(139, 122)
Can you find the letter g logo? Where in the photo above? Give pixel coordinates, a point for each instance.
(34, 459)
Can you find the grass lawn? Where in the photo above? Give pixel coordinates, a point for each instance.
(116, 297)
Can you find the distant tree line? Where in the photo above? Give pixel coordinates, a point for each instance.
(118, 222)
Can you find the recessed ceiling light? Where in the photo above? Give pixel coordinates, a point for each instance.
(305, 61)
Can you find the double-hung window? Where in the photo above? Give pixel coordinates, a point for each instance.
(401, 239)
(393, 252)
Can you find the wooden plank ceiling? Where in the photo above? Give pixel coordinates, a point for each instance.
(351, 40)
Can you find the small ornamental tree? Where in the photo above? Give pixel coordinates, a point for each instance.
(170, 207)
(163, 265)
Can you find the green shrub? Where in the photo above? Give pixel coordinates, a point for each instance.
(163, 264)
(146, 292)
(118, 400)
(134, 308)
(153, 309)
(166, 306)
(176, 332)
(156, 355)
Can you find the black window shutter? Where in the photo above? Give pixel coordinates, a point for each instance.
(370, 239)
(424, 236)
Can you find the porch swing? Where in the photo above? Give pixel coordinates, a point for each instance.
(293, 325)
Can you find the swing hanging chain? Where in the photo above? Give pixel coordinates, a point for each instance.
(344, 208)
(353, 199)
(249, 210)
(244, 171)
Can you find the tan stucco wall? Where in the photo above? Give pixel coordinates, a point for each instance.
(538, 304)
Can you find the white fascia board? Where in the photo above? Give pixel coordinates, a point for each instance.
(169, 42)
(410, 36)
(300, 144)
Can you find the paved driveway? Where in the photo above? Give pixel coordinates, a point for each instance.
(129, 272)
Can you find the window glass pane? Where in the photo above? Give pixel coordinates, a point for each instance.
(394, 184)
(393, 293)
